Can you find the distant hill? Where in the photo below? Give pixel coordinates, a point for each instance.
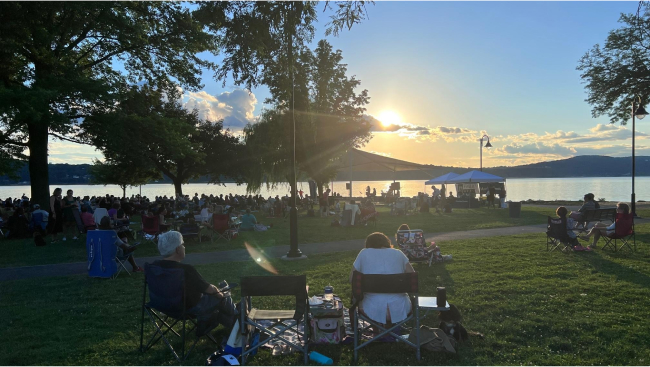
(581, 166)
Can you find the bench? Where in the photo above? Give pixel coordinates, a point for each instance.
(595, 215)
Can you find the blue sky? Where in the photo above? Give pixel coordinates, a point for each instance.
(461, 69)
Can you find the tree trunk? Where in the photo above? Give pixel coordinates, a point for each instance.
(123, 187)
(319, 187)
(38, 170)
(178, 186)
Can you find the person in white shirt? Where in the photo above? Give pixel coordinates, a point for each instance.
(380, 258)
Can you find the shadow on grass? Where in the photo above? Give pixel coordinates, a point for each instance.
(621, 272)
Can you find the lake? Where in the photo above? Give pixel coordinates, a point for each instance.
(609, 188)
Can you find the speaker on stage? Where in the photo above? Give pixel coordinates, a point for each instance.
(394, 186)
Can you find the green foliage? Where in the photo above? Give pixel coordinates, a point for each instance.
(123, 175)
(150, 128)
(616, 73)
(326, 116)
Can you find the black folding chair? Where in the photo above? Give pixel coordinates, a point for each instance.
(384, 283)
(624, 231)
(556, 235)
(166, 308)
(190, 230)
(283, 320)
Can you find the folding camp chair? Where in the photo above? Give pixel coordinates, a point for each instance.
(283, 320)
(556, 235)
(151, 228)
(166, 308)
(220, 227)
(190, 230)
(105, 260)
(624, 231)
(369, 215)
(412, 243)
(384, 283)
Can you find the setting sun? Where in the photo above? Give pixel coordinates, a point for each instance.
(388, 118)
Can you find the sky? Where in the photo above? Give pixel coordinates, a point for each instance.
(442, 74)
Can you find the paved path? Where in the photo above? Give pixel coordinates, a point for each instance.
(26, 272)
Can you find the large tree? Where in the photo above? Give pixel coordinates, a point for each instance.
(327, 118)
(335, 116)
(150, 128)
(62, 61)
(619, 71)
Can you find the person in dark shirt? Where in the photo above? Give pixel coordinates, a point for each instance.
(203, 299)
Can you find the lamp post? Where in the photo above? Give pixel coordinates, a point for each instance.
(294, 252)
(639, 112)
(487, 145)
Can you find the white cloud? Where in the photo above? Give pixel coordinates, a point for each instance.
(234, 108)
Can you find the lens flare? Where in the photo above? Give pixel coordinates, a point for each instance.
(260, 259)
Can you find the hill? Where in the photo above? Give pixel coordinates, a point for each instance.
(581, 166)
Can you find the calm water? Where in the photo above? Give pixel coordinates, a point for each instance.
(609, 188)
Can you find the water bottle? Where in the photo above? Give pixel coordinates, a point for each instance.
(441, 297)
(329, 293)
(320, 359)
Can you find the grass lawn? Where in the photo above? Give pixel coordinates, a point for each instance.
(311, 230)
(534, 307)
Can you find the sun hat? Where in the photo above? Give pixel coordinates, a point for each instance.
(168, 242)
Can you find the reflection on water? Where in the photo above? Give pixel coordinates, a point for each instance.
(610, 188)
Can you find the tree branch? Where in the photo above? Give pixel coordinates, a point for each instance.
(61, 137)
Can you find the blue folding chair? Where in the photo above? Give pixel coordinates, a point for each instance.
(166, 308)
(102, 252)
(104, 258)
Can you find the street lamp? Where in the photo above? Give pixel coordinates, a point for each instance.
(487, 145)
(639, 112)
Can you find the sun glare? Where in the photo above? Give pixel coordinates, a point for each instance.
(388, 118)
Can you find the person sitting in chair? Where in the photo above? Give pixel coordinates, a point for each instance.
(602, 229)
(562, 213)
(87, 218)
(248, 221)
(379, 257)
(201, 298)
(123, 249)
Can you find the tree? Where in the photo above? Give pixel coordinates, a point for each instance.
(619, 71)
(123, 175)
(335, 119)
(327, 116)
(61, 61)
(150, 128)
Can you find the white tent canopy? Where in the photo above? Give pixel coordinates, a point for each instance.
(442, 179)
(476, 176)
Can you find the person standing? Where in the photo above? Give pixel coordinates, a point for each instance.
(69, 223)
(324, 203)
(55, 221)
